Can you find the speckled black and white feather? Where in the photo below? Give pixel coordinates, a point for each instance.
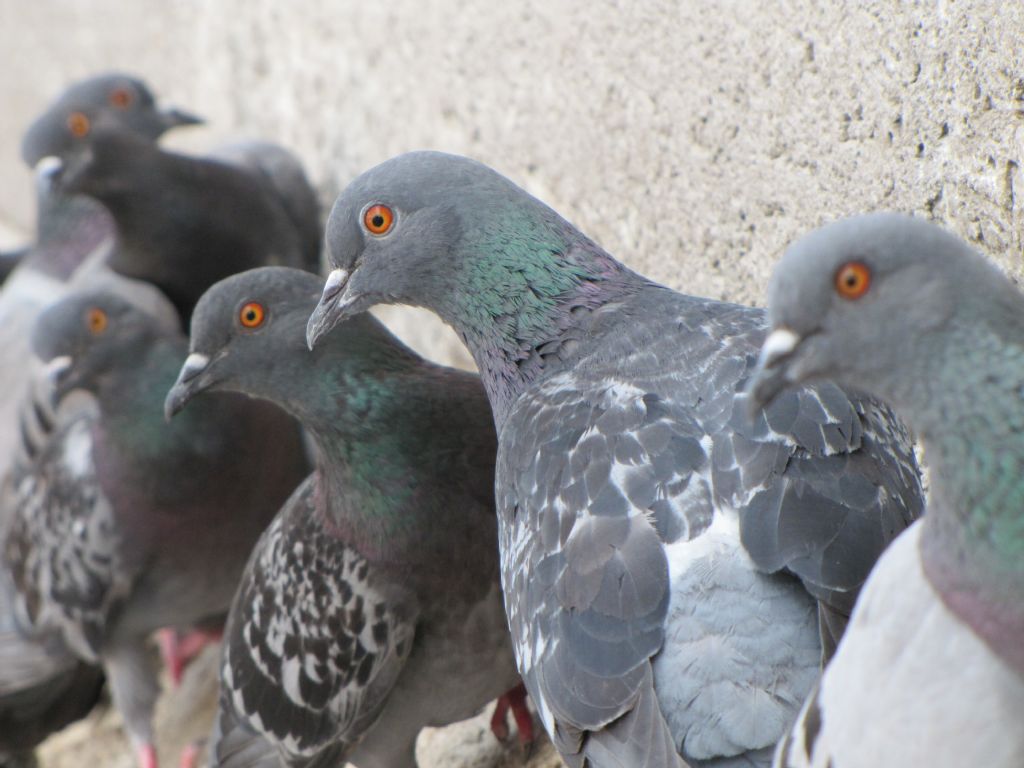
(313, 646)
(63, 548)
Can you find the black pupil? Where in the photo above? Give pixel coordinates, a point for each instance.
(250, 315)
(852, 280)
(377, 221)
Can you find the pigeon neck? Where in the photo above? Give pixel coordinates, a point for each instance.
(972, 426)
(132, 423)
(68, 230)
(357, 405)
(522, 306)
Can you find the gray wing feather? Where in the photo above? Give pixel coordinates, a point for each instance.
(597, 471)
(586, 583)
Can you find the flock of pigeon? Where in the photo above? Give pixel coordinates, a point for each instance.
(659, 512)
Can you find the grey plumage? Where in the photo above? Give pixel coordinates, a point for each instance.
(120, 524)
(183, 222)
(931, 670)
(56, 688)
(649, 533)
(371, 607)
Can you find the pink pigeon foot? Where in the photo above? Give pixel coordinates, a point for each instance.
(178, 649)
(147, 756)
(515, 700)
(190, 755)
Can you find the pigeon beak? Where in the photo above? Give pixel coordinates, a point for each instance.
(57, 372)
(48, 171)
(173, 117)
(772, 374)
(331, 309)
(188, 385)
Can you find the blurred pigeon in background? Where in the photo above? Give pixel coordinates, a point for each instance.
(371, 607)
(931, 670)
(673, 572)
(121, 524)
(69, 229)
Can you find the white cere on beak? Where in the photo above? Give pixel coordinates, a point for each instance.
(335, 280)
(55, 368)
(779, 343)
(194, 365)
(49, 165)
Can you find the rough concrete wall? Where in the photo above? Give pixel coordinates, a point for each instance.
(692, 139)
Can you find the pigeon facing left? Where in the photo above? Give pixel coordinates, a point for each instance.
(122, 524)
(931, 670)
(371, 607)
(667, 564)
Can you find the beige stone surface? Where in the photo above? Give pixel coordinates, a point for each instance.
(692, 138)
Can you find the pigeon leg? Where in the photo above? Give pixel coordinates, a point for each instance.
(178, 649)
(147, 756)
(499, 725)
(514, 700)
(521, 713)
(190, 755)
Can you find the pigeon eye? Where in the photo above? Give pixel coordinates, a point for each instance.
(78, 124)
(379, 219)
(121, 98)
(853, 280)
(252, 315)
(96, 321)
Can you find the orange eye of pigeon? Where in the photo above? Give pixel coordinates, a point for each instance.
(121, 98)
(96, 321)
(379, 219)
(252, 314)
(78, 124)
(853, 280)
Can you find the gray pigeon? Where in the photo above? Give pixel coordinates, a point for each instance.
(120, 524)
(69, 229)
(372, 606)
(931, 670)
(667, 564)
(183, 222)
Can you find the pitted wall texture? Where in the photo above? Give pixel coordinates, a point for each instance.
(692, 139)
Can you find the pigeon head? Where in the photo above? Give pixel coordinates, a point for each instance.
(417, 228)
(108, 167)
(110, 100)
(88, 336)
(856, 301)
(245, 330)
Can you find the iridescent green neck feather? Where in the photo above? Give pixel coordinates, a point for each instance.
(526, 280)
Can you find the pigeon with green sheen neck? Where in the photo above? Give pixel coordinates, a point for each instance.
(371, 607)
(673, 572)
(121, 524)
(931, 671)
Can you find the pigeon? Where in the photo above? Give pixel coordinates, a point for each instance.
(69, 229)
(673, 573)
(371, 607)
(121, 524)
(931, 669)
(182, 222)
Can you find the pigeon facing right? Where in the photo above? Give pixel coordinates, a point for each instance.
(931, 670)
(371, 607)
